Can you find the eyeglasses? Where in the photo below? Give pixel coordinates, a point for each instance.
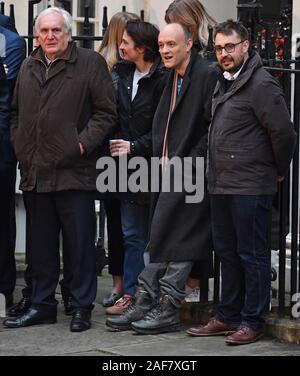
(229, 47)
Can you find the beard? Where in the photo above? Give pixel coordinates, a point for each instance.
(235, 68)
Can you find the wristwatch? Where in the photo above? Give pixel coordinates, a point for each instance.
(132, 147)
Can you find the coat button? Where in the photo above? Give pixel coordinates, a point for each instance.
(232, 156)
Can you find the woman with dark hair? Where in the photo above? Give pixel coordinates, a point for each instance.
(141, 80)
(110, 51)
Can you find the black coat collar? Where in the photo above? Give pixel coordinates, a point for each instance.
(126, 69)
(253, 63)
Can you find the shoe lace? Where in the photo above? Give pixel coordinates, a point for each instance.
(77, 314)
(123, 301)
(155, 312)
(22, 303)
(130, 308)
(243, 330)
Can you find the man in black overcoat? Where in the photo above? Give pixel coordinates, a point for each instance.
(180, 231)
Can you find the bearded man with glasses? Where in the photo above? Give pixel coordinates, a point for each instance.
(251, 144)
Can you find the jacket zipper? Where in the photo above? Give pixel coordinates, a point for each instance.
(47, 67)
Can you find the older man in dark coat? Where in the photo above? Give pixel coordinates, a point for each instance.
(180, 231)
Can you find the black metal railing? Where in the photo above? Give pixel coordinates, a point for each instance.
(87, 36)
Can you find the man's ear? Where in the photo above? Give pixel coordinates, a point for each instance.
(189, 44)
(246, 46)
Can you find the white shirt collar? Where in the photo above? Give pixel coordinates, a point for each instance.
(229, 77)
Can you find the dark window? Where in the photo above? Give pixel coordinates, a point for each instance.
(82, 4)
(66, 4)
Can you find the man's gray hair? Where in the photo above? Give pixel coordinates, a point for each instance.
(62, 12)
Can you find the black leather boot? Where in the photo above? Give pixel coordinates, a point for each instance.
(81, 320)
(20, 308)
(161, 319)
(141, 304)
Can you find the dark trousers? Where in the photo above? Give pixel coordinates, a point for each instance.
(73, 213)
(65, 283)
(241, 228)
(114, 236)
(7, 228)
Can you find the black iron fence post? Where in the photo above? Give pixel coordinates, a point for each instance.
(30, 22)
(12, 13)
(87, 27)
(104, 21)
(295, 191)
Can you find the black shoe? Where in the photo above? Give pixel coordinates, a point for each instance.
(162, 318)
(141, 304)
(111, 299)
(81, 320)
(68, 305)
(31, 317)
(20, 308)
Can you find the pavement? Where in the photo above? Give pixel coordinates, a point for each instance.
(57, 340)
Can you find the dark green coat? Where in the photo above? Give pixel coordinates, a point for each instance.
(251, 138)
(54, 109)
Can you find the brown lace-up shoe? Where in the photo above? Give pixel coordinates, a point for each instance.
(243, 336)
(213, 328)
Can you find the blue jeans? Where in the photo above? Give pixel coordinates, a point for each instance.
(135, 230)
(241, 227)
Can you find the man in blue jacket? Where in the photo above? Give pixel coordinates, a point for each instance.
(7, 191)
(13, 52)
(12, 49)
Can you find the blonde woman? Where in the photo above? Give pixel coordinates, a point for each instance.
(112, 39)
(110, 51)
(194, 16)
